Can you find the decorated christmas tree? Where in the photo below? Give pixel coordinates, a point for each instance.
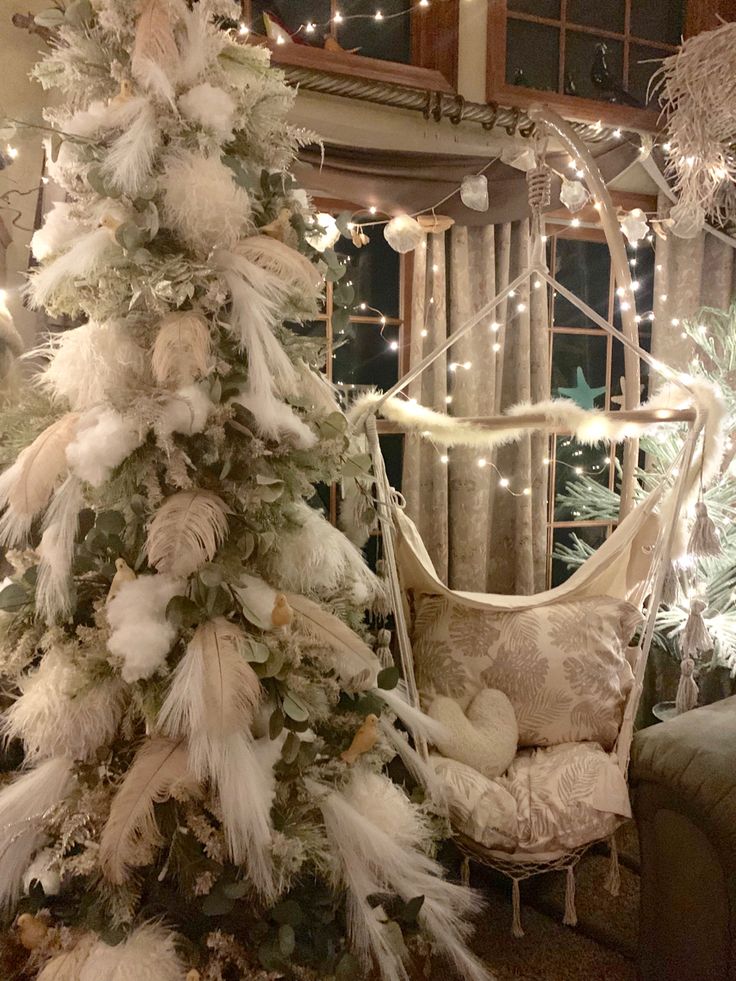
(186, 644)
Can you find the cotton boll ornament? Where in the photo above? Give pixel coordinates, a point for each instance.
(403, 233)
(185, 412)
(140, 634)
(202, 204)
(211, 108)
(324, 232)
(103, 440)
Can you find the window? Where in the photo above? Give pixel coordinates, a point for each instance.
(587, 365)
(367, 352)
(587, 53)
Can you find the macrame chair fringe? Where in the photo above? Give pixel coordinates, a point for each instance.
(517, 930)
(704, 541)
(687, 688)
(671, 587)
(613, 878)
(571, 916)
(695, 638)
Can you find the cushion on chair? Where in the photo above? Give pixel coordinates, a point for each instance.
(485, 737)
(563, 666)
(549, 801)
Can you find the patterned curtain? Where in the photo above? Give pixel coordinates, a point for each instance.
(481, 536)
(690, 274)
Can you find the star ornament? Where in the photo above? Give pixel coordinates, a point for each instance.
(582, 394)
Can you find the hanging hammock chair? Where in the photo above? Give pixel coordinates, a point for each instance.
(566, 786)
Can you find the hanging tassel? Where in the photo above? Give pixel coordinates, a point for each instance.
(695, 638)
(571, 917)
(383, 651)
(516, 928)
(687, 689)
(704, 540)
(671, 586)
(613, 879)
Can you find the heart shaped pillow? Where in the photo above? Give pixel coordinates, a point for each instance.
(485, 737)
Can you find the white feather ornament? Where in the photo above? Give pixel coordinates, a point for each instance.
(377, 841)
(199, 44)
(131, 836)
(202, 204)
(91, 363)
(277, 420)
(182, 351)
(26, 486)
(296, 274)
(56, 551)
(312, 556)
(186, 411)
(140, 633)
(210, 107)
(67, 965)
(62, 711)
(155, 55)
(83, 260)
(23, 806)
(186, 532)
(103, 440)
(351, 655)
(148, 954)
(58, 232)
(129, 160)
(212, 702)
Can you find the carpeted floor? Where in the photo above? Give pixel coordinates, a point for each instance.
(601, 948)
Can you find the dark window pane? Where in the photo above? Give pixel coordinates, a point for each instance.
(388, 38)
(658, 20)
(375, 272)
(579, 368)
(583, 53)
(392, 448)
(584, 268)
(292, 15)
(368, 359)
(608, 15)
(643, 63)
(532, 54)
(594, 536)
(541, 8)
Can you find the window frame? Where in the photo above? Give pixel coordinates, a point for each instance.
(573, 107)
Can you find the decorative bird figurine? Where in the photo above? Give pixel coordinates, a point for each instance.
(363, 741)
(124, 95)
(601, 77)
(32, 930)
(124, 574)
(332, 44)
(193, 975)
(111, 223)
(282, 614)
(280, 228)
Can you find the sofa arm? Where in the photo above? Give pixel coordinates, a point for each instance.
(683, 774)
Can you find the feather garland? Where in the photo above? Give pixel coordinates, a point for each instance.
(377, 840)
(182, 351)
(186, 532)
(212, 702)
(353, 655)
(83, 260)
(131, 836)
(155, 54)
(23, 806)
(27, 486)
(56, 551)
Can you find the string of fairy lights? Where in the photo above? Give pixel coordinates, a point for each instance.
(310, 27)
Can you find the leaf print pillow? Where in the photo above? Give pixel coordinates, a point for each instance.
(563, 666)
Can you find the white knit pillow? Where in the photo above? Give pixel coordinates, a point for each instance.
(485, 737)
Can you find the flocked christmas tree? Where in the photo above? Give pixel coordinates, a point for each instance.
(187, 645)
